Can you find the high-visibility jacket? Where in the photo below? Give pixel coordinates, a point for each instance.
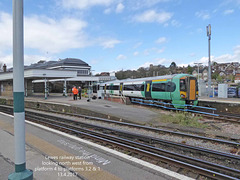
(75, 91)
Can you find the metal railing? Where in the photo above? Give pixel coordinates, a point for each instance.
(171, 106)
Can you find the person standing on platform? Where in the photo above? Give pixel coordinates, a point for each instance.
(75, 93)
(80, 92)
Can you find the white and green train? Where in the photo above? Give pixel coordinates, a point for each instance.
(178, 89)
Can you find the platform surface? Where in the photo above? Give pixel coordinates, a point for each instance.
(42, 144)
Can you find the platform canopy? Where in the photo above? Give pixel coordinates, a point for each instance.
(40, 73)
(79, 78)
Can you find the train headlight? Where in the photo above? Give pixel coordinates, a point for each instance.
(182, 96)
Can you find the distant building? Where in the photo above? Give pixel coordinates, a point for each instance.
(70, 70)
(237, 77)
(203, 74)
(67, 64)
(226, 68)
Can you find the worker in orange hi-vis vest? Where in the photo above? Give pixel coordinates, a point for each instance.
(75, 93)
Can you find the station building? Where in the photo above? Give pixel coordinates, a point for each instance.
(55, 76)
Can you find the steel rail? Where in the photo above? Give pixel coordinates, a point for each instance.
(235, 144)
(148, 138)
(142, 148)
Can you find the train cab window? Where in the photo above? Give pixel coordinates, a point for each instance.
(183, 85)
(196, 86)
(161, 87)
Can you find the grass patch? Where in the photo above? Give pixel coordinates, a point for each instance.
(183, 119)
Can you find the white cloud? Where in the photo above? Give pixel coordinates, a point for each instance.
(225, 58)
(153, 16)
(139, 4)
(5, 31)
(161, 40)
(203, 15)
(228, 11)
(146, 64)
(121, 57)
(137, 45)
(107, 11)
(147, 52)
(162, 61)
(54, 36)
(28, 59)
(175, 23)
(85, 4)
(119, 8)
(45, 34)
(109, 43)
(135, 53)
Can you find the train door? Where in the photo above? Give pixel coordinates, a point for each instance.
(120, 89)
(148, 85)
(192, 89)
(168, 89)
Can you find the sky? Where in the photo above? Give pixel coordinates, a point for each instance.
(113, 35)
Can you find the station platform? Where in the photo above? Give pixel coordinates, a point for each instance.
(222, 100)
(72, 157)
(98, 107)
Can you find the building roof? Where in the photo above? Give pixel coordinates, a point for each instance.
(51, 64)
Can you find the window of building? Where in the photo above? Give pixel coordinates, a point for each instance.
(82, 72)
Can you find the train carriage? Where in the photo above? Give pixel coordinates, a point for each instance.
(178, 89)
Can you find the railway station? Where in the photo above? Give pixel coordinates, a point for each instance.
(61, 144)
(59, 121)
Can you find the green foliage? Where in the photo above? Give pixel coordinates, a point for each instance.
(189, 69)
(215, 75)
(219, 79)
(183, 119)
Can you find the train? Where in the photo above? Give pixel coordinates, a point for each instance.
(178, 89)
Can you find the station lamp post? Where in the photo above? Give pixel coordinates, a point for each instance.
(198, 70)
(21, 173)
(209, 59)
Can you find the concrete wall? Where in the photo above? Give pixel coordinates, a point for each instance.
(6, 88)
(28, 87)
(221, 107)
(59, 108)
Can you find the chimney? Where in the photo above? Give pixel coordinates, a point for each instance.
(4, 68)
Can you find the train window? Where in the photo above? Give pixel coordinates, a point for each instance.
(115, 88)
(183, 85)
(159, 87)
(108, 88)
(134, 87)
(171, 86)
(128, 88)
(138, 87)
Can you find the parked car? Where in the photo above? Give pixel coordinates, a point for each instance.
(232, 92)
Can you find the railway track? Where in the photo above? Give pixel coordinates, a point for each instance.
(198, 110)
(233, 144)
(204, 168)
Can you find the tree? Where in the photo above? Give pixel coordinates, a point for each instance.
(189, 69)
(173, 68)
(219, 79)
(173, 65)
